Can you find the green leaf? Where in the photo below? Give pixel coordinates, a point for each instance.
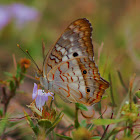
(18, 71)
(8, 74)
(1, 112)
(34, 109)
(64, 137)
(57, 120)
(30, 122)
(12, 85)
(83, 123)
(45, 123)
(138, 93)
(19, 74)
(3, 124)
(96, 137)
(90, 127)
(104, 97)
(81, 106)
(106, 121)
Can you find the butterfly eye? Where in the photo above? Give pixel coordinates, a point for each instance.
(84, 71)
(75, 54)
(88, 89)
(38, 74)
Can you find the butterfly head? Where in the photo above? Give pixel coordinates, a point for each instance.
(43, 80)
(38, 74)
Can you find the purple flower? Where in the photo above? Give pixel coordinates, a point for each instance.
(40, 96)
(19, 13)
(4, 17)
(23, 14)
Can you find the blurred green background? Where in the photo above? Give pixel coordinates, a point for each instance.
(116, 24)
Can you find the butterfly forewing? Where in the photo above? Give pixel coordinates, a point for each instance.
(75, 41)
(71, 68)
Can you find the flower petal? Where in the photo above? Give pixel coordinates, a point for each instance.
(51, 94)
(34, 95)
(40, 96)
(23, 14)
(4, 16)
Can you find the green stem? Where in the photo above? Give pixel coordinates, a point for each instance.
(137, 137)
(111, 92)
(106, 129)
(54, 135)
(99, 105)
(122, 82)
(125, 130)
(76, 117)
(130, 99)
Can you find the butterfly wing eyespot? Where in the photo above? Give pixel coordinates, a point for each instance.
(70, 66)
(75, 54)
(88, 89)
(84, 71)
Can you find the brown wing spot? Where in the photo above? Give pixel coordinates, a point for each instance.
(53, 76)
(66, 77)
(100, 87)
(68, 74)
(62, 78)
(68, 90)
(106, 84)
(71, 79)
(54, 59)
(49, 65)
(85, 60)
(60, 70)
(73, 71)
(99, 94)
(101, 91)
(68, 65)
(80, 94)
(91, 102)
(56, 54)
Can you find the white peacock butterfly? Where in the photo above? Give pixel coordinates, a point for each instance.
(69, 69)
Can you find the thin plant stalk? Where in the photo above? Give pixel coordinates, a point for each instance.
(106, 128)
(121, 81)
(76, 117)
(111, 92)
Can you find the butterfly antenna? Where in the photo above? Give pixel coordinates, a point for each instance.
(29, 56)
(43, 49)
(43, 53)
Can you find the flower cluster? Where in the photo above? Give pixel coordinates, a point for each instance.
(46, 116)
(25, 63)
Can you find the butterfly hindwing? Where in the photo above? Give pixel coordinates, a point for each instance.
(78, 80)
